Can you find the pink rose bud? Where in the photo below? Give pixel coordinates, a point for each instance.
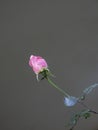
(38, 64)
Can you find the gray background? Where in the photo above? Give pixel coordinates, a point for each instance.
(65, 33)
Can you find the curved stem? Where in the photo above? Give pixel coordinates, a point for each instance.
(59, 89)
(93, 112)
(85, 106)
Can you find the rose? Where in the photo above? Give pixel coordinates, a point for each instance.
(38, 64)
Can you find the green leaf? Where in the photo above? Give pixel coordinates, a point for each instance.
(87, 115)
(75, 118)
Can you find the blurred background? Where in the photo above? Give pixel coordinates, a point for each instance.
(65, 33)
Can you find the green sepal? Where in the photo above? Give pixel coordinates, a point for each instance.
(45, 73)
